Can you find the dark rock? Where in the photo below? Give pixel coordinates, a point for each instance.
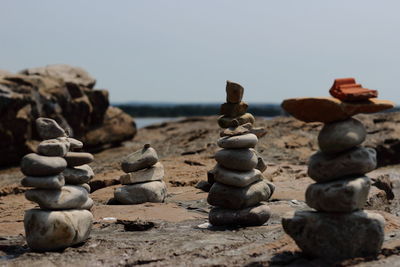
(78, 158)
(64, 94)
(336, 235)
(252, 216)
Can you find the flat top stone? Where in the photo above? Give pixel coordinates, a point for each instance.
(328, 109)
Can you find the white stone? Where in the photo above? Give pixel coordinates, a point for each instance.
(155, 191)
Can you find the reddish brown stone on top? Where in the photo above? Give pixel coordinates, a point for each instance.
(347, 90)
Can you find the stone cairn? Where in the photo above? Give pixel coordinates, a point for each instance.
(59, 178)
(339, 228)
(143, 178)
(238, 187)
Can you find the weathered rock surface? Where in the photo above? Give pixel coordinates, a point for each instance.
(237, 159)
(342, 135)
(239, 141)
(239, 130)
(56, 230)
(231, 197)
(78, 175)
(52, 148)
(47, 182)
(233, 110)
(78, 158)
(153, 173)
(140, 159)
(358, 161)
(252, 216)
(234, 92)
(155, 191)
(69, 197)
(344, 195)
(69, 99)
(326, 109)
(336, 235)
(36, 165)
(226, 122)
(235, 178)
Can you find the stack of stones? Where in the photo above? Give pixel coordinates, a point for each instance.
(60, 190)
(238, 187)
(339, 228)
(143, 178)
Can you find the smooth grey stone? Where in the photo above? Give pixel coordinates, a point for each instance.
(243, 159)
(340, 195)
(153, 173)
(56, 230)
(37, 165)
(252, 216)
(235, 178)
(339, 136)
(78, 175)
(239, 141)
(88, 204)
(271, 186)
(68, 197)
(78, 158)
(358, 161)
(231, 197)
(49, 129)
(46, 182)
(52, 148)
(75, 144)
(65, 141)
(336, 235)
(155, 191)
(86, 186)
(141, 159)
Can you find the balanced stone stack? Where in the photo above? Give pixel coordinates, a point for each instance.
(59, 180)
(339, 228)
(238, 187)
(143, 179)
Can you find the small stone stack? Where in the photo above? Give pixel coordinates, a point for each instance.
(339, 228)
(143, 178)
(238, 186)
(60, 189)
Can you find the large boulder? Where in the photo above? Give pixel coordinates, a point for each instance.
(65, 94)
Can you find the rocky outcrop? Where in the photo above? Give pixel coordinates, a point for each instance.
(65, 94)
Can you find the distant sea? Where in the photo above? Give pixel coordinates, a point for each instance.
(143, 122)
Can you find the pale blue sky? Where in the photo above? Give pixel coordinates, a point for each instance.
(183, 51)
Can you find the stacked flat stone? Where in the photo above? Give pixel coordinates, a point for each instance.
(60, 190)
(339, 228)
(238, 187)
(143, 179)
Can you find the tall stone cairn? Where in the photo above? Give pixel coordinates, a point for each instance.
(339, 228)
(143, 178)
(238, 186)
(59, 178)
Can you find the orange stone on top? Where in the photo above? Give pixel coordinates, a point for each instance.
(328, 109)
(347, 90)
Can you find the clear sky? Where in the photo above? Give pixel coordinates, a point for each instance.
(183, 51)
